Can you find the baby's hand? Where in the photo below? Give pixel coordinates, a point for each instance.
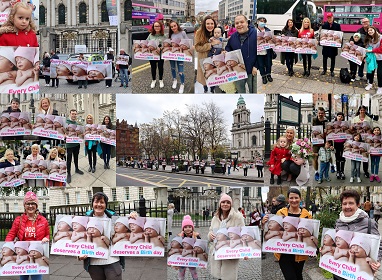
(133, 215)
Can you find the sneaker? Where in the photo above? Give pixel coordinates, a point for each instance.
(107, 86)
(358, 78)
(377, 179)
(338, 175)
(369, 86)
(342, 176)
(181, 88)
(379, 90)
(174, 83)
(161, 84)
(316, 176)
(351, 179)
(371, 178)
(153, 83)
(352, 80)
(358, 180)
(332, 169)
(320, 181)
(328, 179)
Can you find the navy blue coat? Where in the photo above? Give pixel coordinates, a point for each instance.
(248, 49)
(330, 51)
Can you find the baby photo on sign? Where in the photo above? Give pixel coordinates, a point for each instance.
(11, 176)
(49, 126)
(24, 258)
(338, 130)
(92, 132)
(81, 70)
(353, 53)
(146, 50)
(81, 235)
(284, 44)
(138, 236)
(317, 135)
(108, 136)
(15, 123)
(264, 40)
(291, 235)
(237, 243)
(57, 171)
(178, 49)
(123, 59)
(331, 38)
(19, 70)
(358, 151)
(74, 133)
(224, 68)
(306, 46)
(188, 252)
(349, 254)
(375, 144)
(35, 169)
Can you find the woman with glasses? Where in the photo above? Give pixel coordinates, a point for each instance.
(30, 226)
(157, 34)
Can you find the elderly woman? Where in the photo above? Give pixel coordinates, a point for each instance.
(101, 269)
(30, 226)
(292, 265)
(352, 218)
(35, 155)
(226, 216)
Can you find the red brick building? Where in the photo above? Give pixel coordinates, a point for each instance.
(127, 140)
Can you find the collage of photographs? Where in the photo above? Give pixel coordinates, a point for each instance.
(111, 169)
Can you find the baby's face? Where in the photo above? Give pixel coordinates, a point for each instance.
(78, 227)
(221, 237)
(41, 167)
(184, 47)
(340, 243)
(247, 238)
(166, 44)
(14, 119)
(35, 254)
(7, 252)
(208, 66)
(186, 245)
(359, 252)
(94, 232)
(62, 226)
(176, 245)
(78, 71)
(23, 63)
(233, 236)
(135, 228)
(34, 165)
(95, 74)
(198, 250)
(5, 65)
(23, 121)
(151, 232)
(62, 70)
(217, 33)
(20, 251)
(273, 225)
(120, 228)
(4, 119)
(57, 124)
(288, 227)
(304, 232)
(328, 240)
(39, 120)
(219, 63)
(48, 121)
(174, 45)
(232, 63)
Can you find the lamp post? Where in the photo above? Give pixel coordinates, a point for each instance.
(32, 107)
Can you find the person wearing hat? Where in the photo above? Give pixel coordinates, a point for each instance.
(329, 52)
(291, 265)
(353, 218)
(278, 203)
(245, 39)
(102, 269)
(157, 34)
(264, 57)
(226, 216)
(123, 69)
(110, 56)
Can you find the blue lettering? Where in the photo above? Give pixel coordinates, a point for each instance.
(146, 252)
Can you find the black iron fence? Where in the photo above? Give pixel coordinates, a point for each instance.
(274, 131)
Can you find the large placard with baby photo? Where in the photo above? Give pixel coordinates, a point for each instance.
(353, 53)
(224, 68)
(178, 49)
(357, 151)
(81, 70)
(146, 50)
(81, 235)
(49, 126)
(317, 135)
(122, 59)
(15, 124)
(35, 169)
(74, 133)
(57, 170)
(24, 258)
(20, 73)
(11, 176)
(284, 44)
(331, 38)
(338, 130)
(108, 136)
(375, 143)
(188, 252)
(291, 235)
(237, 243)
(264, 40)
(306, 46)
(139, 236)
(349, 254)
(92, 132)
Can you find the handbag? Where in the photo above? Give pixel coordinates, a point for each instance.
(274, 54)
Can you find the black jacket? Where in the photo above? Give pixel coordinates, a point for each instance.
(9, 110)
(330, 51)
(46, 62)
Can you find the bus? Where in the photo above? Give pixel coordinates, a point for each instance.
(277, 12)
(145, 14)
(350, 15)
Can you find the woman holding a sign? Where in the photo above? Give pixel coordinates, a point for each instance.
(290, 30)
(106, 148)
(30, 226)
(157, 34)
(306, 31)
(264, 57)
(91, 148)
(292, 265)
(352, 218)
(35, 155)
(373, 44)
(226, 216)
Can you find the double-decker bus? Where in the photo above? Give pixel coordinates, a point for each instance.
(350, 15)
(145, 13)
(277, 12)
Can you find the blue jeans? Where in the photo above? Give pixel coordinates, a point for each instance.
(123, 76)
(180, 65)
(33, 277)
(324, 169)
(355, 168)
(375, 164)
(229, 170)
(240, 85)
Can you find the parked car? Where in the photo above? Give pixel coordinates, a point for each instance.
(88, 57)
(187, 27)
(139, 33)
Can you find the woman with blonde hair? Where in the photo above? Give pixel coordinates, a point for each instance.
(35, 155)
(44, 107)
(53, 156)
(91, 147)
(306, 32)
(8, 160)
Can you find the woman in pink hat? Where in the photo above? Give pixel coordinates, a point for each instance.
(30, 226)
(226, 216)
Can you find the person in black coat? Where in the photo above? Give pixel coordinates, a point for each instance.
(46, 67)
(15, 106)
(55, 81)
(331, 52)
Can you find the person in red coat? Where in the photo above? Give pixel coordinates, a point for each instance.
(30, 226)
(279, 154)
(19, 29)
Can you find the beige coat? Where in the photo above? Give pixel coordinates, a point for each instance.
(224, 269)
(202, 49)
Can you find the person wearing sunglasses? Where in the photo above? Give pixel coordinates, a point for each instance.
(30, 226)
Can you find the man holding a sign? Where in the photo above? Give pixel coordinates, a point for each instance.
(331, 52)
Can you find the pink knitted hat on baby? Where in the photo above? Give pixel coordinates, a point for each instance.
(306, 224)
(363, 242)
(345, 235)
(235, 230)
(154, 224)
(187, 222)
(37, 246)
(96, 224)
(22, 244)
(292, 220)
(139, 221)
(82, 220)
(189, 240)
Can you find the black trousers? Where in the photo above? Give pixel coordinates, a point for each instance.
(307, 61)
(291, 269)
(325, 63)
(72, 153)
(289, 60)
(340, 160)
(92, 155)
(154, 64)
(291, 168)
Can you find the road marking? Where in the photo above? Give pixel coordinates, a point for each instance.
(142, 180)
(141, 68)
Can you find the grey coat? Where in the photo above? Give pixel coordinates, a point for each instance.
(360, 224)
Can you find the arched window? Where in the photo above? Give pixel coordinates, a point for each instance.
(127, 9)
(82, 12)
(254, 140)
(104, 15)
(42, 13)
(61, 14)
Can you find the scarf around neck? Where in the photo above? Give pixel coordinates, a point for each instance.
(351, 218)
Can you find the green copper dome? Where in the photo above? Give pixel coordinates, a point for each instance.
(240, 101)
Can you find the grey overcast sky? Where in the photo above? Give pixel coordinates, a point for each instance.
(203, 5)
(142, 108)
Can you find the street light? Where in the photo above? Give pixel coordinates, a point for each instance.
(32, 107)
